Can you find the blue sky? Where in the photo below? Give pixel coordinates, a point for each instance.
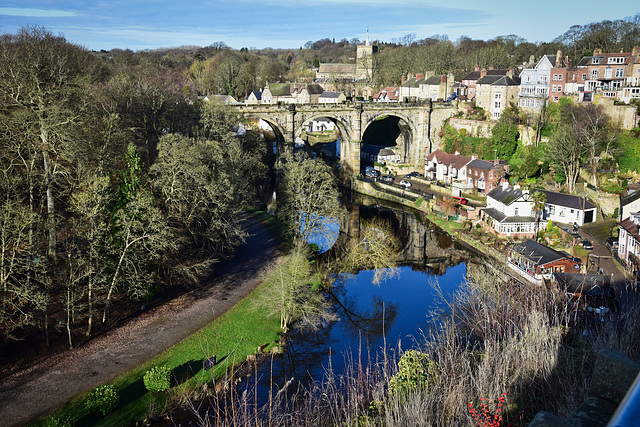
(144, 24)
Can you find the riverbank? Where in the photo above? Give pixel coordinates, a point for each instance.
(208, 321)
(408, 199)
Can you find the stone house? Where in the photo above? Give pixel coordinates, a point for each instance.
(495, 93)
(410, 86)
(470, 79)
(308, 94)
(254, 97)
(332, 98)
(276, 92)
(436, 87)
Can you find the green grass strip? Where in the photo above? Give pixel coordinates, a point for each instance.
(232, 337)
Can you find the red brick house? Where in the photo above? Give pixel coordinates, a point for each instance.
(537, 262)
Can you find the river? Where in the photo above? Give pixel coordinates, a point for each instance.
(395, 314)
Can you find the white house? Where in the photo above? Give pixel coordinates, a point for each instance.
(568, 209)
(629, 243)
(320, 124)
(509, 211)
(446, 167)
(534, 83)
(332, 98)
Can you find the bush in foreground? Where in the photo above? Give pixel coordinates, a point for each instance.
(102, 399)
(157, 379)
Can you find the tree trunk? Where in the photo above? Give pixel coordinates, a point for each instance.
(51, 222)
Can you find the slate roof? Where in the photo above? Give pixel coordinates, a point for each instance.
(589, 284)
(631, 227)
(629, 198)
(567, 200)
(257, 94)
(504, 219)
(332, 95)
(337, 68)
(481, 164)
(458, 161)
(506, 196)
(499, 81)
(475, 75)
(432, 81)
(537, 253)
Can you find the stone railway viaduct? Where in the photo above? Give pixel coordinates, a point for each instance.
(420, 125)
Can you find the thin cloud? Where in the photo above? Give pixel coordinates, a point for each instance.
(35, 13)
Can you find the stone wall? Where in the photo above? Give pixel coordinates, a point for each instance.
(483, 129)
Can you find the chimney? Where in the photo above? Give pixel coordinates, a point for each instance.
(510, 73)
(532, 59)
(476, 68)
(491, 67)
(559, 59)
(516, 186)
(409, 76)
(443, 79)
(419, 76)
(404, 78)
(474, 156)
(505, 184)
(483, 72)
(635, 52)
(457, 153)
(597, 51)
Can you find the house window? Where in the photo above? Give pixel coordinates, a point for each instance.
(553, 88)
(619, 72)
(556, 99)
(608, 72)
(594, 74)
(559, 77)
(555, 77)
(584, 76)
(516, 212)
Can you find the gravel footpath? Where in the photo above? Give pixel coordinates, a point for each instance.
(31, 393)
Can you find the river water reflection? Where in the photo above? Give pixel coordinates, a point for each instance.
(395, 313)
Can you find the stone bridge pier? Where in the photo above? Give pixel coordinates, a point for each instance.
(419, 124)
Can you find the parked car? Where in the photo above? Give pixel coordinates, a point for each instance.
(612, 244)
(404, 183)
(371, 172)
(587, 245)
(461, 200)
(387, 178)
(413, 175)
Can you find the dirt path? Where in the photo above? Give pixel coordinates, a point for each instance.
(29, 394)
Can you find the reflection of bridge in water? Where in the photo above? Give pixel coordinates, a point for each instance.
(422, 246)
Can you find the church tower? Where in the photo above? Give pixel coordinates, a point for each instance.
(364, 60)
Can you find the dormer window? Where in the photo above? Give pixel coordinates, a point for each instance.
(595, 61)
(616, 60)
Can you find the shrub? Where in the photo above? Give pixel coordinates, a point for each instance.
(549, 226)
(102, 399)
(157, 379)
(415, 371)
(58, 421)
(419, 202)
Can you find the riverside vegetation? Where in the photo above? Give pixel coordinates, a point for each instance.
(118, 188)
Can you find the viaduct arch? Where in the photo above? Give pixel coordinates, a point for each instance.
(420, 125)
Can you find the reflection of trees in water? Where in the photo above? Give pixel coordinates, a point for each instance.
(356, 319)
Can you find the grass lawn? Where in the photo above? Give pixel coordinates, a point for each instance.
(601, 230)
